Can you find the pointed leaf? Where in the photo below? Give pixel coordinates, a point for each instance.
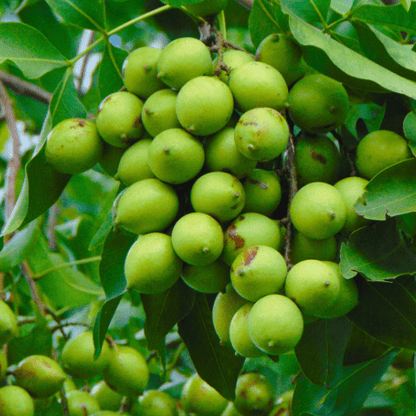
(216, 364)
(372, 115)
(377, 251)
(409, 128)
(406, 4)
(312, 11)
(179, 3)
(165, 310)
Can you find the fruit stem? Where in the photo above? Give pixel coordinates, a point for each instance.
(223, 26)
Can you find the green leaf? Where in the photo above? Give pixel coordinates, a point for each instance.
(387, 311)
(86, 14)
(165, 310)
(312, 11)
(378, 251)
(321, 348)
(331, 58)
(341, 6)
(101, 235)
(390, 193)
(29, 49)
(372, 115)
(406, 4)
(216, 364)
(179, 3)
(409, 128)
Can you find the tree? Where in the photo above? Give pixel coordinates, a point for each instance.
(64, 247)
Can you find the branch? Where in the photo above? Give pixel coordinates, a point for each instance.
(27, 273)
(84, 62)
(248, 4)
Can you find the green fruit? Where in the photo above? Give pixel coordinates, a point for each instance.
(151, 265)
(80, 403)
(140, 72)
(119, 119)
(258, 271)
(230, 410)
(212, 278)
(250, 229)
(318, 103)
(147, 206)
(263, 192)
(77, 357)
(69, 385)
(218, 194)
(107, 398)
(275, 324)
(256, 84)
(182, 60)
(15, 401)
(304, 248)
(155, 403)
(207, 7)
(313, 286)
(175, 156)
(317, 159)
(127, 372)
(106, 413)
(325, 208)
(351, 190)
(233, 59)
(261, 134)
(200, 398)
(134, 164)
(254, 395)
(197, 239)
(379, 150)
(225, 306)
(40, 376)
(221, 155)
(110, 158)
(3, 365)
(8, 323)
(204, 105)
(73, 146)
(159, 112)
(282, 52)
(239, 337)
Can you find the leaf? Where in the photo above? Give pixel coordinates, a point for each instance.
(409, 128)
(333, 59)
(372, 115)
(390, 193)
(179, 3)
(378, 251)
(165, 310)
(29, 49)
(101, 235)
(321, 348)
(86, 14)
(341, 6)
(387, 311)
(308, 10)
(216, 364)
(406, 4)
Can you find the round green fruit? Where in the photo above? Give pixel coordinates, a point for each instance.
(318, 104)
(230, 410)
(107, 398)
(151, 265)
(207, 7)
(304, 248)
(15, 401)
(155, 403)
(107, 413)
(232, 59)
(8, 323)
(80, 403)
(73, 146)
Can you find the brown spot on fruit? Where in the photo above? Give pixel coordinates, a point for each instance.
(249, 255)
(137, 121)
(238, 241)
(260, 183)
(318, 157)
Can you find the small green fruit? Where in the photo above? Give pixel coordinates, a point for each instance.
(3, 365)
(107, 413)
(8, 323)
(304, 248)
(230, 410)
(15, 401)
(155, 403)
(107, 398)
(207, 7)
(69, 385)
(73, 146)
(80, 403)
(233, 59)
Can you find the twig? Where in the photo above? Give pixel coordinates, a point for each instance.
(57, 320)
(52, 221)
(84, 62)
(27, 273)
(61, 326)
(64, 402)
(248, 4)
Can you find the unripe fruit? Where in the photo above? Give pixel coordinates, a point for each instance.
(15, 401)
(261, 134)
(155, 403)
(256, 84)
(140, 72)
(318, 103)
(106, 413)
(233, 59)
(204, 105)
(207, 7)
(221, 155)
(175, 156)
(3, 365)
(119, 119)
(275, 324)
(127, 372)
(8, 323)
(379, 150)
(78, 356)
(69, 385)
(182, 60)
(230, 410)
(147, 206)
(80, 403)
(151, 265)
(73, 146)
(313, 286)
(200, 398)
(304, 248)
(159, 112)
(326, 210)
(107, 398)
(218, 194)
(40, 376)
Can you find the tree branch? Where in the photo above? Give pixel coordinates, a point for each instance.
(248, 4)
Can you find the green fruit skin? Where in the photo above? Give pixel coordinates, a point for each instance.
(127, 372)
(3, 365)
(155, 403)
(147, 206)
(151, 264)
(40, 376)
(73, 146)
(232, 59)
(107, 413)
(77, 357)
(207, 7)
(182, 60)
(140, 72)
(119, 119)
(379, 150)
(107, 398)
(325, 207)
(204, 105)
(15, 401)
(80, 403)
(230, 410)
(304, 248)
(8, 323)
